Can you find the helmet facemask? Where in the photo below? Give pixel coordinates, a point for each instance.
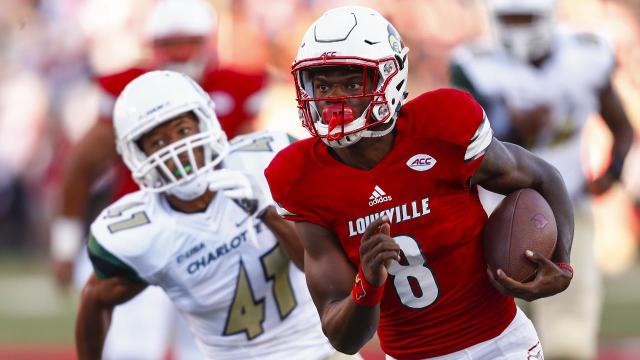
(179, 168)
(185, 54)
(524, 28)
(351, 37)
(338, 124)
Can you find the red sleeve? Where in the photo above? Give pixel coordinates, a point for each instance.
(290, 185)
(454, 117)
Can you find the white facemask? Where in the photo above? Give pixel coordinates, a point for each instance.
(527, 43)
(191, 189)
(193, 68)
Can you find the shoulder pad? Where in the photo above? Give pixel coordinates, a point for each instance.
(446, 114)
(252, 153)
(287, 168)
(128, 229)
(594, 54)
(265, 141)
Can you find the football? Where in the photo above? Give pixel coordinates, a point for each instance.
(522, 221)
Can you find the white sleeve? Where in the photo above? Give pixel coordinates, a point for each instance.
(480, 140)
(130, 231)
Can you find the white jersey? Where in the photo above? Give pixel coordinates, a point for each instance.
(242, 300)
(568, 84)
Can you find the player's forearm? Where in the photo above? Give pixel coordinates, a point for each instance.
(286, 235)
(551, 187)
(75, 191)
(92, 324)
(614, 115)
(89, 158)
(349, 326)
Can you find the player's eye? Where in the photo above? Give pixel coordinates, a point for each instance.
(354, 86)
(322, 88)
(185, 131)
(156, 144)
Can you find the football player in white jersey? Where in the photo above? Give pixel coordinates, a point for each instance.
(539, 84)
(201, 229)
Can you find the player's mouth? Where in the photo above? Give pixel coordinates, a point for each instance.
(188, 169)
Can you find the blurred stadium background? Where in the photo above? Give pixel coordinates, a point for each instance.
(51, 49)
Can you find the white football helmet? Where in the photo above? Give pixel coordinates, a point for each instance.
(151, 100)
(182, 18)
(527, 41)
(353, 36)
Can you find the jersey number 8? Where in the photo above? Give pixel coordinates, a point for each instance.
(413, 280)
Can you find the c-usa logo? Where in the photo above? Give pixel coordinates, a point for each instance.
(421, 162)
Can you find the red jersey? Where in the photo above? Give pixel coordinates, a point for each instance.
(438, 298)
(237, 97)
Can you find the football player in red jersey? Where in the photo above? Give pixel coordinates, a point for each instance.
(386, 193)
(180, 34)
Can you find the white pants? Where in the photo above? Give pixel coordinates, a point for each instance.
(568, 322)
(518, 341)
(145, 327)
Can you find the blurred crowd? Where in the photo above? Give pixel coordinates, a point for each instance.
(51, 50)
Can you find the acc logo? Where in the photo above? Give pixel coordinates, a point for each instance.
(328, 53)
(421, 162)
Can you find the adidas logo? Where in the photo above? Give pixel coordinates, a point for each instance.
(378, 196)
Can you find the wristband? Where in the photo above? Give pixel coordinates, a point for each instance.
(565, 266)
(66, 238)
(365, 294)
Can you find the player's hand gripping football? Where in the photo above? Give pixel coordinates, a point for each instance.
(242, 188)
(377, 250)
(549, 280)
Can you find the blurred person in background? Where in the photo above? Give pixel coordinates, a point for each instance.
(25, 127)
(181, 35)
(203, 229)
(539, 84)
(23, 115)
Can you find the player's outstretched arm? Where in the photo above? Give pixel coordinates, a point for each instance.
(331, 278)
(97, 301)
(617, 121)
(285, 233)
(506, 168)
(90, 157)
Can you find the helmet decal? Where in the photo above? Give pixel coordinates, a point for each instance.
(395, 41)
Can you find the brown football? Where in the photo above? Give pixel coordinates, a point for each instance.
(522, 221)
